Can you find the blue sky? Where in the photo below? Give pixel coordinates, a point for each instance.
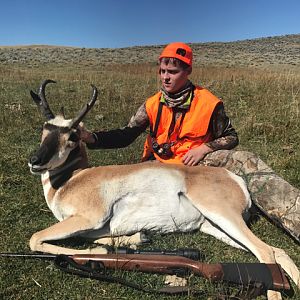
(123, 23)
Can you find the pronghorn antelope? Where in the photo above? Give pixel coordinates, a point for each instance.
(126, 199)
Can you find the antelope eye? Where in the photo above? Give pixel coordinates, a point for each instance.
(74, 137)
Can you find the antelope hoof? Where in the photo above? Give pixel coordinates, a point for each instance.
(34, 242)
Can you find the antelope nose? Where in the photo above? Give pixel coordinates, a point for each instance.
(34, 160)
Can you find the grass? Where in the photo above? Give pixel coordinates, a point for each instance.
(263, 105)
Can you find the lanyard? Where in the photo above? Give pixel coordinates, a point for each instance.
(173, 122)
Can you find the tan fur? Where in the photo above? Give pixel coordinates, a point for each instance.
(211, 189)
(96, 200)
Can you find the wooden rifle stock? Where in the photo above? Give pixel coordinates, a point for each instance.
(270, 275)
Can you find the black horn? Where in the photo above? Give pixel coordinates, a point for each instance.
(86, 108)
(40, 100)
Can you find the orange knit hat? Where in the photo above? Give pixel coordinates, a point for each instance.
(180, 51)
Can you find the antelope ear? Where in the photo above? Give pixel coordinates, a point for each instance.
(35, 98)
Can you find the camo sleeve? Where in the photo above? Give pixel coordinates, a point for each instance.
(225, 136)
(140, 119)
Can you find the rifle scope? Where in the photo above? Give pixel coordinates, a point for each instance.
(194, 254)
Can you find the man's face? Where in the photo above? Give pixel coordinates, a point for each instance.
(173, 78)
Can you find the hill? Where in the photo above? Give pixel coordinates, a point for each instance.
(262, 52)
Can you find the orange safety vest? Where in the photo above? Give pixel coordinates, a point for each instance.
(189, 134)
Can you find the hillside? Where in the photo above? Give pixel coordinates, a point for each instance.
(261, 52)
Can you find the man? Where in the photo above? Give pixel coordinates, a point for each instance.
(188, 125)
(186, 121)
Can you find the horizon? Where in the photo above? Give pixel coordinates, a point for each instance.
(153, 45)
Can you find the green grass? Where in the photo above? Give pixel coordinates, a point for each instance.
(264, 107)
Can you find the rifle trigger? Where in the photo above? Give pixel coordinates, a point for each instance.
(95, 266)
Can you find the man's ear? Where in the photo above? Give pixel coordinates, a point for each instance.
(189, 70)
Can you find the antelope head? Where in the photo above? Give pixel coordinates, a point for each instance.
(60, 136)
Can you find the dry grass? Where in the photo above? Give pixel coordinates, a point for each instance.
(263, 105)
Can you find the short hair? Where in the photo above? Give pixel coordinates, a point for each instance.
(175, 61)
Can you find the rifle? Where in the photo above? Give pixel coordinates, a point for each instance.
(263, 276)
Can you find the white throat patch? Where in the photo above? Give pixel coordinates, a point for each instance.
(59, 121)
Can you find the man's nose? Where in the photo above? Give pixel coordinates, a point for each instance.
(166, 76)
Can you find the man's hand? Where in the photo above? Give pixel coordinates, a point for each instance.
(193, 156)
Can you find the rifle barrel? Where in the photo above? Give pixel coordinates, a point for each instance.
(185, 252)
(44, 256)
